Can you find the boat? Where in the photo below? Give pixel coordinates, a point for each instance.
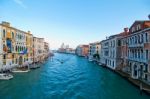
(100, 64)
(17, 70)
(4, 76)
(35, 66)
(90, 59)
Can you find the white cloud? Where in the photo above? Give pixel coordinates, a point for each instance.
(19, 2)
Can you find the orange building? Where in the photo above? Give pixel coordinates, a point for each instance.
(82, 50)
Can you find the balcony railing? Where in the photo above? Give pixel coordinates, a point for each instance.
(136, 45)
(138, 59)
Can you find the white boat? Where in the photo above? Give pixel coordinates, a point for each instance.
(90, 59)
(20, 71)
(100, 64)
(4, 76)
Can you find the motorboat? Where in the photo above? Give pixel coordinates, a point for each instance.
(5, 76)
(20, 70)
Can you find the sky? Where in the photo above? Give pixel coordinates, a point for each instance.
(73, 22)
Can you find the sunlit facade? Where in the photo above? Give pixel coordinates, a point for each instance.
(17, 47)
(94, 49)
(38, 45)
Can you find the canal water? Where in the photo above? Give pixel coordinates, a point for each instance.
(75, 78)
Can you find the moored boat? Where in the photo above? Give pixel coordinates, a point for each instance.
(20, 70)
(4, 76)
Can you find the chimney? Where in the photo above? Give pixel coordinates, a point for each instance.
(29, 32)
(126, 30)
(149, 16)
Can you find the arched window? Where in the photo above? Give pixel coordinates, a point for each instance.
(135, 39)
(146, 37)
(4, 56)
(22, 49)
(13, 35)
(4, 33)
(141, 38)
(138, 38)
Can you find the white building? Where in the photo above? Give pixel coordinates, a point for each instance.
(38, 45)
(109, 52)
(94, 49)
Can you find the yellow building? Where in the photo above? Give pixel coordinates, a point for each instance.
(19, 48)
(16, 49)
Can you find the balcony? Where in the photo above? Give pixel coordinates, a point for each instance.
(136, 45)
(143, 60)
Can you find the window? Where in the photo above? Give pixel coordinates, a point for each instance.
(138, 27)
(146, 37)
(12, 61)
(13, 56)
(142, 53)
(133, 29)
(138, 38)
(119, 42)
(114, 43)
(4, 33)
(138, 53)
(146, 54)
(16, 60)
(16, 48)
(135, 39)
(135, 53)
(113, 64)
(141, 38)
(13, 35)
(4, 56)
(4, 62)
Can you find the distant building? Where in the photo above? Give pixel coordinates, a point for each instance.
(82, 50)
(46, 50)
(65, 49)
(38, 45)
(94, 50)
(70, 51)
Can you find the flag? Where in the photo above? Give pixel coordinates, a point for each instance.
(24, 52)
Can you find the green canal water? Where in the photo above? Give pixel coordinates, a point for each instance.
(76, 78)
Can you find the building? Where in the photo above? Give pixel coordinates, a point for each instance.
(138, 57)
(82, 50)
(29, 46)
(122, 49)
(15, 47)
(66, 49)
(94, 51)
(18, 48)
(69, 51)
(110, 51)
(38, 45)
(46, 50)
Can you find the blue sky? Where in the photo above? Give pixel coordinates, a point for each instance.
(73, 21)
